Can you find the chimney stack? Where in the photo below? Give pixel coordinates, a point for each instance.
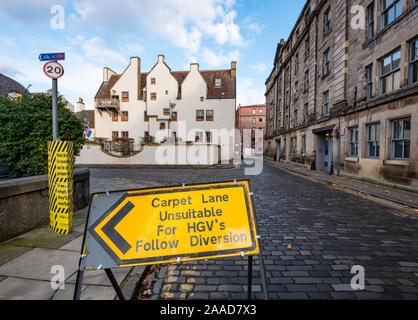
(282, 41)
(234, 69)
(194, 66)
(136, 63)
(80, 105)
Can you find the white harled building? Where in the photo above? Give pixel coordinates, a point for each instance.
(193, 106)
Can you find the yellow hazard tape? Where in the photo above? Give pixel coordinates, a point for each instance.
(60, 181)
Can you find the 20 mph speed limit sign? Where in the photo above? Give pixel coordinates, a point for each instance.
(53, 69)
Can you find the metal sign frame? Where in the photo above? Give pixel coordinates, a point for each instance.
(197, 256)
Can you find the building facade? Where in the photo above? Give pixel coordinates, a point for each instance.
(252, 119)
(342, 95)
(191, 106)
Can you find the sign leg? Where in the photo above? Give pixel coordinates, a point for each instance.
(250, 276)
(114, 283)
(78, 285)
(263, 272)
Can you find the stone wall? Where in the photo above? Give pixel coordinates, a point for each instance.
(24, 203)
(164, 154)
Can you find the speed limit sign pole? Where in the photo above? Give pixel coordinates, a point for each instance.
(54, 70)
(55, 109)
(60, 161)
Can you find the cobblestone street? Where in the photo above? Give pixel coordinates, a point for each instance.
(312, 236)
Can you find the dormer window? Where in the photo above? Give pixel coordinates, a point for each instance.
(218, 83)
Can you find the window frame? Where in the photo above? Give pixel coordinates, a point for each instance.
(369, 81)
(327, 21)
(124, 116)
(403, 139)
(306, 82)
(198, 117)
(166, 111)
(303, 145)
(326, 63)
(174, 116)
(370, 21)
(124, 134)
(353, 142)
(218, 82)
(115, 116)
(325, 104)
(210, 117)
(153, 96)
(198, 137)
(392, 71)
(306, 112)
(163, 126)
(412, 62)
(384, 11)
(374, 142)
(124, 96)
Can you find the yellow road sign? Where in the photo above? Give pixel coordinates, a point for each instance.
(60, 180)
(168, 224)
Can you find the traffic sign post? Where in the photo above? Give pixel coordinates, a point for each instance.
(55, 71)
(170, 224)
(60, 157)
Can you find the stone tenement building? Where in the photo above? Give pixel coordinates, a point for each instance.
(343, 96)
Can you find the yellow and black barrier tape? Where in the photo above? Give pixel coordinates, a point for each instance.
(60, 181)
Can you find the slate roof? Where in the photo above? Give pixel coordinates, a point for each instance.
(227, 90)
(8, 85)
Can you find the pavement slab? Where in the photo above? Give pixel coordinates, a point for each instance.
(37, 263)
(25, 289)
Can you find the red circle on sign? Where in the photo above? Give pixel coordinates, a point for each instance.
(53, 69)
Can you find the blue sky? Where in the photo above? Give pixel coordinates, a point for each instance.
(105, 33)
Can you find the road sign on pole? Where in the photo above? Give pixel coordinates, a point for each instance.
(53, 69)
(52, 56)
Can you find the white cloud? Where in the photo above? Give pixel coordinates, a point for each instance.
(96, 50)
(183, 23)
(9, 70)
(215, 60)
(260, 68)
(8, 41)
(248, 93)
(255, 27)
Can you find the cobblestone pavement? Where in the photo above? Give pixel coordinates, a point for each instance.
(329, 231)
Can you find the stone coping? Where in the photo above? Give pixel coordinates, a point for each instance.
(14, 187)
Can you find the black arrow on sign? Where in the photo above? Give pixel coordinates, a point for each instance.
(112, 234)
